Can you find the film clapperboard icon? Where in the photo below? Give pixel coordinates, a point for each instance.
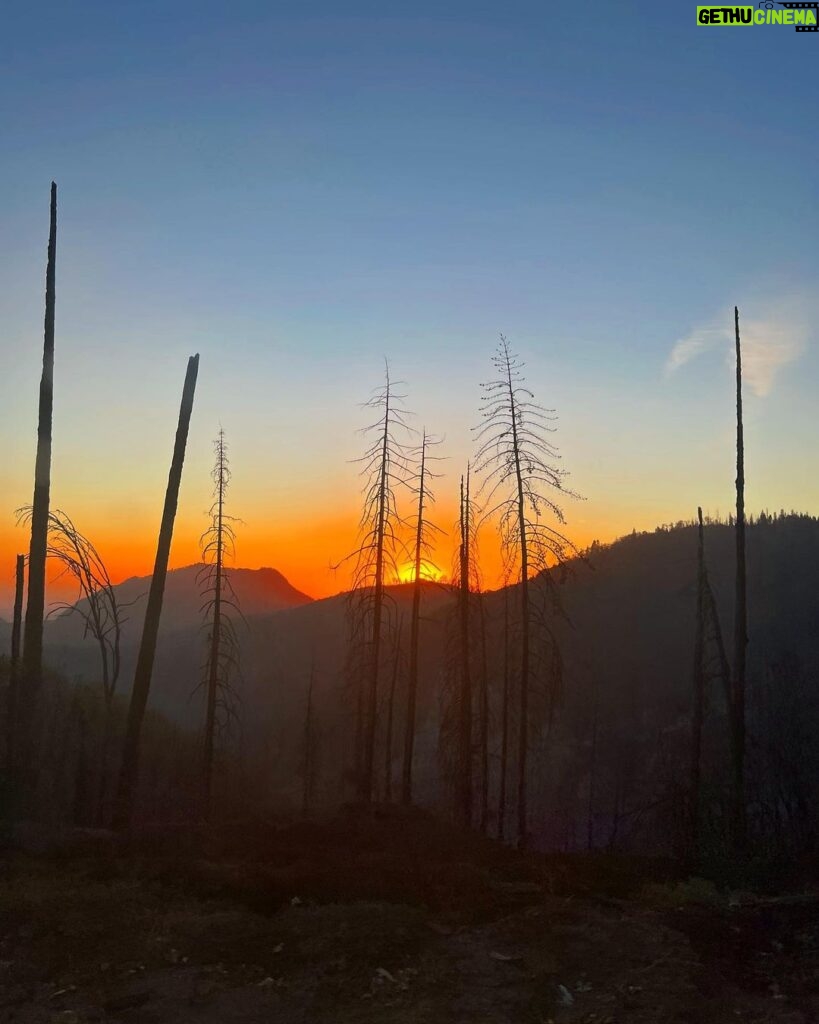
(810, 5)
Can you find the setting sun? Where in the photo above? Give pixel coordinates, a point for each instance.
(429, 571)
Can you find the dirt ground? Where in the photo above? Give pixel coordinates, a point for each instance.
(394, 918)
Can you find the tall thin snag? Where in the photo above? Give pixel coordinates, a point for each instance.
(129, 771)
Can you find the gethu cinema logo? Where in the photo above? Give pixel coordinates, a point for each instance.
(802, 16)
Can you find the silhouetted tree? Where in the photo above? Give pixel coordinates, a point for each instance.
(384, 469)
(457, 729)
(737, 710)
(424, 531)
(218, 547)
(516, 460)
(14, 666)
(464, 783)
(96, 603)
(698, 713)
(35, 605)
(504, 752)
(483, 719)
(390, 712)
(147, 648)
(102, 616)
(710, 661)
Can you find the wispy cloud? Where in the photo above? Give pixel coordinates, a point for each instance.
(700, 340)
(767, 345)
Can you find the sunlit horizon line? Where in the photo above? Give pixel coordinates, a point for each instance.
(490, 569)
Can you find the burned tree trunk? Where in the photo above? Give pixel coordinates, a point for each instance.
(525, 623)
(366, 780)
(412, 682)
(213, 671)
(147, 649)
(385, 467)
(17, 621)
(698, 712)
(98, 608)
(465, 696)
(390, 712)
(740, 618)
(517, 462)
(708, 642)
(504, 756)
(483, 722)
(35, 607)
(216, 539)
(14, 666)
(32, 665)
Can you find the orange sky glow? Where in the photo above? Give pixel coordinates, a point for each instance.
(304, 552)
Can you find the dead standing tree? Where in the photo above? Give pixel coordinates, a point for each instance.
(384, 470)
(35, 606)
(483, 718)
(147, 648)
(517, 463)
(97, 604)
(424, 533)
(14, 666)
(464, 776)
(457, 726)
(737, 705)
(218, 547)
(396, 664)
(698, 711)
(98, 607)
(733, 682)
(505, 698)
(710, 662)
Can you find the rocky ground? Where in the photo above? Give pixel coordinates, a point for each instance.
(386, 917)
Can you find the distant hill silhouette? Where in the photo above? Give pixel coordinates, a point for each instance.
(259, 591)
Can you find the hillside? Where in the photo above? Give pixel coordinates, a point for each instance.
(259, 591)
(627, 643)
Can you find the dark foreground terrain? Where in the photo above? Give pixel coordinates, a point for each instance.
(385, 916)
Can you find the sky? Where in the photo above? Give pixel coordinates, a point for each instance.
(298, 192)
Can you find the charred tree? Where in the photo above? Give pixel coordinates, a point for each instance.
(504, 752)
(100, 611)
(218, 547)
(384, 469)
(698, 712)
(710, 662)
(423, 530)
(517, 462)
(390, 713)
(464, 783)
(32, 664)
(483, 721)
(147, 650)
(740, 616)
(17, 620)
(14, 666)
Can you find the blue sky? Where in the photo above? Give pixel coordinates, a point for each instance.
(296, 191)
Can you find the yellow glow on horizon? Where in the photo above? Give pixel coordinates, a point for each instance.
(304, 550)
(429, 572)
